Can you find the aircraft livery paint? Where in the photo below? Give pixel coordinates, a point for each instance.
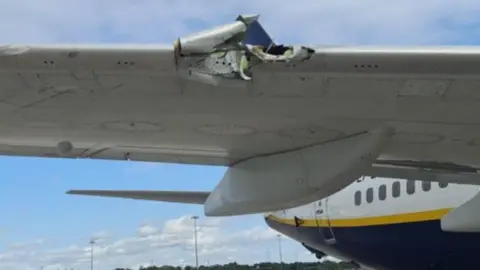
(385, 224)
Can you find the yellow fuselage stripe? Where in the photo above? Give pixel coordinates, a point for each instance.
(368, 221)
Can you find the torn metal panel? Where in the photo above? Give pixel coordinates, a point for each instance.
(230, 51)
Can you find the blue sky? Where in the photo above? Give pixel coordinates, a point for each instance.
(36, 188)
(36, 208)
(43, 226)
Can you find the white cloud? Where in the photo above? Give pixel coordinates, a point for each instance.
(312, 21)
(147, 230)
(171, 243)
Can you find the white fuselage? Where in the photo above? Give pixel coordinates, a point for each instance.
(382, 215)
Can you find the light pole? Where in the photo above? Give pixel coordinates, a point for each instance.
(92, 242)
(280, 249)
(195, 235)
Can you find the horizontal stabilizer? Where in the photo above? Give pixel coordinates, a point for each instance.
(192, 197)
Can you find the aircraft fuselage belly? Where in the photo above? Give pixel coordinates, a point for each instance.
(415, 246)
(386, 224)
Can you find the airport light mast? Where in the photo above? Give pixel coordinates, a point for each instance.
(92, 243)
(280, 249)
(195, 236)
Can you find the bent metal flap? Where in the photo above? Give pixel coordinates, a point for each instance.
(229, 52)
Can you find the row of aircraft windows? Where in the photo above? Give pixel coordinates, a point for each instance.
(396, 191)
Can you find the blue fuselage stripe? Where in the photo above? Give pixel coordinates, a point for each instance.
(414, 245)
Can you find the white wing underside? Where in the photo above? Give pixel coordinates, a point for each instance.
(129, 103)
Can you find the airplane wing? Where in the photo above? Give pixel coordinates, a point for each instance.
(201, 102)
(191, 197)
(425, 171)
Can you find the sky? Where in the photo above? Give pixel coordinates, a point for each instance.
(42, 226)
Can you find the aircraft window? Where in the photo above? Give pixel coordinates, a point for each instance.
(382, 192)
(442, 185)
(426, 186)
(410, 187)
(396, 189)
(369, 195)
(358, 197)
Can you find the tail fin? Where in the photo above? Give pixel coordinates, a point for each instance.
(190, 197)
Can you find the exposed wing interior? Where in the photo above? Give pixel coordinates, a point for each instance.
(191, 197)
(256, 34)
